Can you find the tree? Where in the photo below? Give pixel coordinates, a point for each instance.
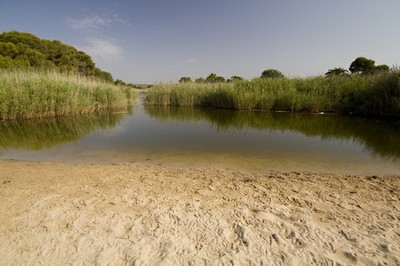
(119, 82)
(8, 49)
(234, 79)
(272, 73)
(337, 71)
(103, 75)
(85, 64)
(382, 69)
(7, 62)
(25, 50)
(200, 80)
(362, 65)
(185, 80)
(213, 78)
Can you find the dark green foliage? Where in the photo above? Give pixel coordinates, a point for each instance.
(337, 71)
(19, 50)
(119, 82)
(362, 65)
(103, 75)
(382, 98)
(235, 78)
(272, 73)
(185, 80)
(213, 78)
(382, 69)
(200, 80)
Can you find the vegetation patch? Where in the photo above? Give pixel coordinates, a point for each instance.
(33, 94)
(366, 95)
(21, 50)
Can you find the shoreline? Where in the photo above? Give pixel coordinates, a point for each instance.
(57, 213)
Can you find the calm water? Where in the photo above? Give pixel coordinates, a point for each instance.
(256, 141)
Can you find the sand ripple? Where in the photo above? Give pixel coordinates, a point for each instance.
(57, 214)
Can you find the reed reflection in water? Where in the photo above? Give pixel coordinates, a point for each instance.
(379, 138)
(204, 137)
(46, 133)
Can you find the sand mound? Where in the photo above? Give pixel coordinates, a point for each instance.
(57, 214)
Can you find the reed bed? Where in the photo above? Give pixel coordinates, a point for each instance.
(377, 95)
(26, 95)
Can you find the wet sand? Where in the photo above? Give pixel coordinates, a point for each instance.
(138, 214)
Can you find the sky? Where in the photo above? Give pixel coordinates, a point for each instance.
(151, 41)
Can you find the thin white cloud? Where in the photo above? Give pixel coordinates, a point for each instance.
(116, 18)
(96, 22)
(99, 47)
(102, 49)
(92, 23)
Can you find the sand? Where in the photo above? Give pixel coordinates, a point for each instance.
(129, 214)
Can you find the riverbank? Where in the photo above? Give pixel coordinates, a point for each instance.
(55, 213)
(363, 95)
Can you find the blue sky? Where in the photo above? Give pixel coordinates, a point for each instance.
(150, 41)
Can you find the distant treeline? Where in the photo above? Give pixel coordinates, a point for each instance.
(19, 50)
(360, 66)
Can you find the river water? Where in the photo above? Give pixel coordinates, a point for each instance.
(198, 137)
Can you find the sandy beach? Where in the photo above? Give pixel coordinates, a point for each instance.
(138, 214)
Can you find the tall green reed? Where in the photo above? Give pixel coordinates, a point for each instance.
(377, 95)
(49, 94)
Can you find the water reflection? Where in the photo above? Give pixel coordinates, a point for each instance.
(190, 137)
(46, 133)
(382, 139)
